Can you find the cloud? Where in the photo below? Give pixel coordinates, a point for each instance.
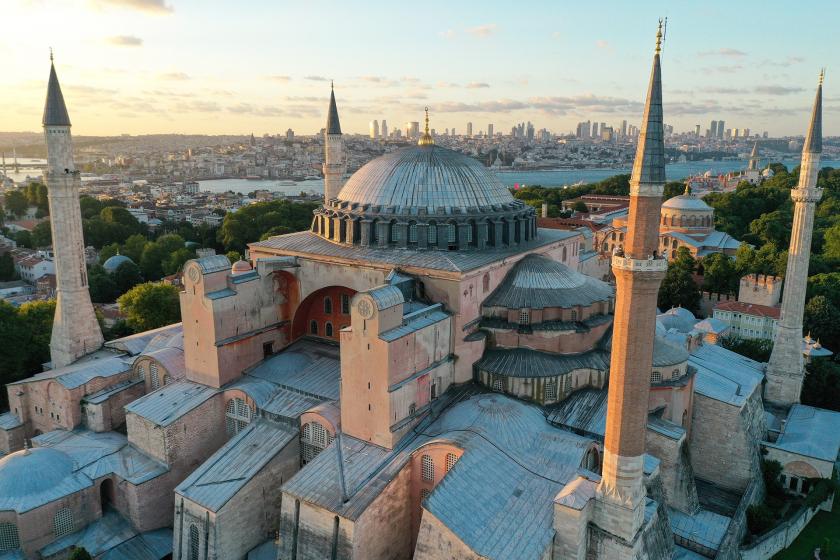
(550, 105)
(125, 40)
(777, 90)
(280, 78)
(448, 34)
(150, 6)
(177, 76)
(483, 30)
(789, 61)
(197, 107)
(725, 51)
(602, 44)
(315, 78)
(477, 85)
(724, 69)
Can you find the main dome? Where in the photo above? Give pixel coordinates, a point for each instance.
(428, 177)
(425, 197)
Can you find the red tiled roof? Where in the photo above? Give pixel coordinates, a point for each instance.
(567, 223)
(749, 309)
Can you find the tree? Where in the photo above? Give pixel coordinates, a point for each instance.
(250, 222)
(827, 285)
(42, 235)
(80, 553)
(127, 276)
(37, 318)
(101, 285)
(108, 251)
(177, 259)
(7, 267)
(678, 289)
(831, 242)
(821, 320)
(13, 351)
(821, 387)
(23, 238)
(754, 348)
(580, 206)
(16, 203)
(151, 262)
(672, 189)
(133, 247)
(150, 306)
(719, 274)
(233, 256)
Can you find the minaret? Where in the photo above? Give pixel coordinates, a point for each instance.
(753, 166)
(638, 272)
(75, 329)
(786, 368)
(334, 161)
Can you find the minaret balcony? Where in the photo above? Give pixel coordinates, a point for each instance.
(806, 194)
(639, 265)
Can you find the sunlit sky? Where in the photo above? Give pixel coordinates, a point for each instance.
(262, 66)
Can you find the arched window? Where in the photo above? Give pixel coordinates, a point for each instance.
(9, 538)
(591, 460)
(141, 372)
(685, 418)
(451, 233)
(63, 522)
(237, 416)
(375, 225)
(314, 438)
(328, 329)
(485, 282)
(395, 231)
(153, 376)
(469, 231)
(345, 304)
(412, 232)
(428, 468)
(313, 327)
(451, 459)
(327, 306)
(193, 552)
(564, 254)
(432, 233)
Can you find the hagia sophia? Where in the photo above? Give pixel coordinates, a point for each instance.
(423, 374)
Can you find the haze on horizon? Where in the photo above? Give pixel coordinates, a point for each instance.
(212, 67)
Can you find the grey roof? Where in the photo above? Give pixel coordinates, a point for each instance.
(306, 243)
(265, 551)
(428, 177)
(498, 498)
(688, 201)
(712, 325)
(333, 125)
(171, 358)
(230, 468)
(97, 454)
(290, 404)
(138, 343)
(724, 375)
(524, 362)
(99, 397)
(34, 477)
(584, 411)
(308, 367)
(667, 354)
(649, 164)
(97, 537)
(665, 427)
(813, 139)
(113, 263)
(213, 263)
(386, 297)
(171, 402)
(538, 282)
(9, 421)
(55, 111)
(678, 318)
(705, 528)
(415, 321)
(813, 432)
(151, 545)
(76, 375)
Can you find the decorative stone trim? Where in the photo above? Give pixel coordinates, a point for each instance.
(807, 194)
(634, 265)
(646, 190)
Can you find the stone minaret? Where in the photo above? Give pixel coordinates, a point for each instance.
(787, 368)
(75, 329)
(334, 162)
(753, 166)
(638, 272)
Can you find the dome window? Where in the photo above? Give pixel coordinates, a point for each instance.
(63, 522)
(550, 390)
(427, 468)
(237, 416)
(451, 459)
(412, 232)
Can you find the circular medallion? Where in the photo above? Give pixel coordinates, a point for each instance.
(194, 273)
(365, 309)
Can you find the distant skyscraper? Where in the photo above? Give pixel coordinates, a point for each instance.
(696, 130)
(595, 130)
(412, 129)
(623, 129)
(746, 133)
(290, 134)
(720, 129)
(384, 129)
(584, 129)
(374, 130)
(713, 129)
(490, 130)
(469, 130)
(529, 131)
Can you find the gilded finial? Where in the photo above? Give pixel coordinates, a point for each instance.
(51, 54)
(426, 138)
(822, 76)
(659, 37)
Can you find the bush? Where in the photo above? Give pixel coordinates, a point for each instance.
(760, 519)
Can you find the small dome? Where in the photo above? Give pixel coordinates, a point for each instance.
(686, 202)
(32, 477)
(707, 174)
(113, 263)
(667, 354)
(767, 172)
(678, 318)
(240, 267)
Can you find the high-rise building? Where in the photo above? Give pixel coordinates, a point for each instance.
(696, 130)
(469, 130)
(529, 131)
(713, 130)
(624, 129)
(290, 134)
(584, 129)
(374, 130)
(595, 130)
(721, 129)
(786, 368)
(384, 129)
(490, 130)
(412, 129)
(335, 164)
(746, 133)
(75, 329)
(638, 271)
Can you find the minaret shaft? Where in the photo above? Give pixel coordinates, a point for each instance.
(786, 369)
(75, 331)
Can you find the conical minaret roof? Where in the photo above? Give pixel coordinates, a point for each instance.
(813, 140)
(754, 153)
(649, 165)
(333, 125)
(55, 111)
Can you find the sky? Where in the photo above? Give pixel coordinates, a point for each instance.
(262, 66)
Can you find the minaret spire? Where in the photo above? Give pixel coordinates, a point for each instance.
(334, 160)
(75, 330)
(638, 270)
(426, 138)
(786, 368)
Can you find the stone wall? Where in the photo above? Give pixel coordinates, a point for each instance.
(766, 546)
(436, 542)
(728, 549)
(308, 532)
(675, 469)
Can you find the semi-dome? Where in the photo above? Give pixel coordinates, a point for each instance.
(113, 263)
(425, 197)
(539, 282)
(33, 477)
(686, 201)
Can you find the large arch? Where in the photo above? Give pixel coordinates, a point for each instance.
(312, 309)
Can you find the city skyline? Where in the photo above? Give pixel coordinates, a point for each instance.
(169, 66)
